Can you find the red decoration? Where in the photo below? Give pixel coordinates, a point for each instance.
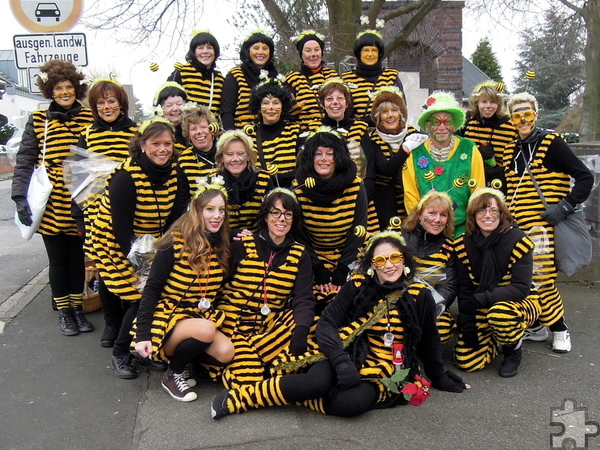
(430, 101)
(419, 391)
(438, 170)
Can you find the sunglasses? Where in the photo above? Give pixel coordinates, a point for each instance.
(394, 258)
(527, 116)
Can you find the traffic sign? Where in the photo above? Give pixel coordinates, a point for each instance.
(32, 74)
(47, 17)
(34, 50)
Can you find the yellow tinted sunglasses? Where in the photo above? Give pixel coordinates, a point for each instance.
(528, 116)
(394, 257)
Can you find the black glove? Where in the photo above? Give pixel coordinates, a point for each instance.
(339, 276)
(298, 342)
(449, 382)
(556, 213)
(347, 373)
(471, 305)
(23, 210)
(80, 226)
(468, 329)
(487, 151)
(322, 275)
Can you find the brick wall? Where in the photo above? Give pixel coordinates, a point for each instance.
(434, 47)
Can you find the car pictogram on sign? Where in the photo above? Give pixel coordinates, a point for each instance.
(47, 10)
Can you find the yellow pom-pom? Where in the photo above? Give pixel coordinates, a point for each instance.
(360, 230)
(213, 128)
(429, 175)
(473, 183)
(458, 183)
(153, 67)
(272, 169)
(310, 182)
(496, 183)
(530, 75)
(248, 130)
(395, 222)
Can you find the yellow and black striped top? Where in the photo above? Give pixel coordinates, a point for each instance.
(360, 94)
(59, 137)
(242, 116)
(194, 167)
(244, 294)
(307, 93)
(152, 209)
(328, 227)
(244, 216)
(280, 151)
(182, 292)
(204, 91)
(498, 137)
(522, 197)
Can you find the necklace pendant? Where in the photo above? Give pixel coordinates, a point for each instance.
(388, 339)
(265, 310)
(204, 303)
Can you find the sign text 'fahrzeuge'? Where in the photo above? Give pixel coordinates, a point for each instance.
(33, 50)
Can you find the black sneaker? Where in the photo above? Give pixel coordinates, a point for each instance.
(177, 387)
(510, 366)
(66, 323)
(218, 406)
(124, 367)
(155, 366)
(109, 336)
(83, 324)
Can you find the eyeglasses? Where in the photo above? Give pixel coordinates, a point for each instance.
(527, 116)
(494, 212)
(394, 258)
(276, 213)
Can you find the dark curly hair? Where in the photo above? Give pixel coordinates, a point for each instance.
(57, 71)
(201, 39)
(270, 87)
(305, 165)
(102, 88)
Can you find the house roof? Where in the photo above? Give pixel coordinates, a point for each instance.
(472, 76)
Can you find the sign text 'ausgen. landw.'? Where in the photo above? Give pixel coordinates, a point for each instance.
(36, 49)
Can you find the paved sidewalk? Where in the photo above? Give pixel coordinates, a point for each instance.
(59, 393)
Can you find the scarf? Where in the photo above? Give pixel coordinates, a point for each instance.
(490, 273)
(57, 112)
(369, 73)
(240, 189)
(122, 122)
(393, 140)
(205, 71)
(328, 190)
(252, 72)
(307, 71)
(158, 175)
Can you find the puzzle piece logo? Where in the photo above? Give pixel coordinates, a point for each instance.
(575, 428)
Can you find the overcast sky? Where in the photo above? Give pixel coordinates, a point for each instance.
(133, 65)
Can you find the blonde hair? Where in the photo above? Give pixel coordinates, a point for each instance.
(523, 97)
(192, 229)
(227, 139)
(431, 200)
(489, 92)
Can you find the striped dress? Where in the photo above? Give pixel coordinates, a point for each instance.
(280, 151)
(304, 87)
(511, 310)
(194, 166)
(101, 139)
(152, 211)
(242, 115)
(360, 93)
(259, 338)
(179, 298)
(59, 137)
(200, 89)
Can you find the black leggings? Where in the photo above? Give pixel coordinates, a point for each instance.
(123, 341)
(319, 381)
(66, 264)
(112, 305)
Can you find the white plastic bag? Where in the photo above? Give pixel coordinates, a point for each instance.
(37, 197)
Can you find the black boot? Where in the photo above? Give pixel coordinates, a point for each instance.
(83, 324)
(512, 359)
(66, 323)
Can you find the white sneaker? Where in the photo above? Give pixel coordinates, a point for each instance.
(562, 342)
(538, 334)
